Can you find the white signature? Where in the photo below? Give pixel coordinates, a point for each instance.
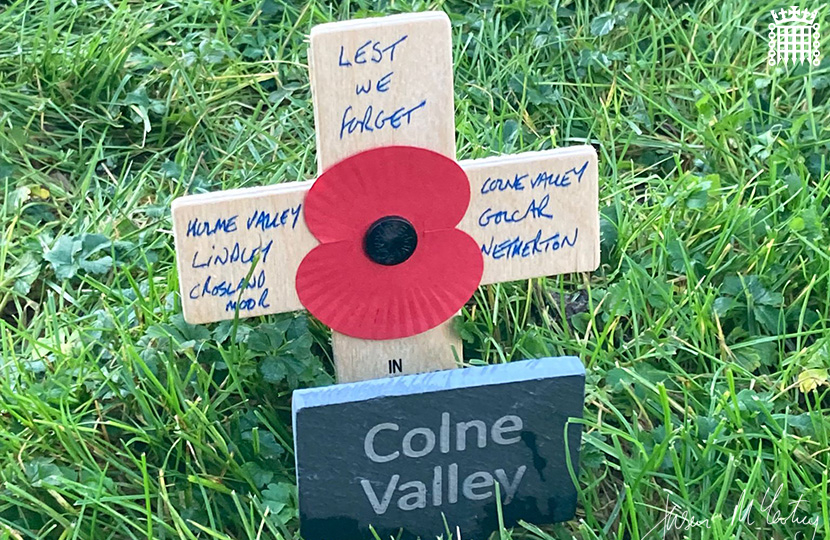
(678, 519)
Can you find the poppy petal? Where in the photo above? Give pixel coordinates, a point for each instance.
(343, 288)
(429, 189)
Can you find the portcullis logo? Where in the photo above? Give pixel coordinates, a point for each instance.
(794, 36)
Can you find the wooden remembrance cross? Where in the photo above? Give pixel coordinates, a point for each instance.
(419, 452)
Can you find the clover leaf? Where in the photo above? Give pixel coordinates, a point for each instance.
(746, 294)
(278, 499)
(284, 352)
(603, 24)
(71, 254)
(24, 273)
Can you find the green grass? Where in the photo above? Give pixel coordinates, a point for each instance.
(706, 331)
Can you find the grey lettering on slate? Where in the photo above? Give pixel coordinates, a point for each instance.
(400, 454)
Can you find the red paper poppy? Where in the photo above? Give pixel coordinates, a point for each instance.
(390, 263)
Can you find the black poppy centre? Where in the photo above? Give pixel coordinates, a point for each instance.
(390, 240)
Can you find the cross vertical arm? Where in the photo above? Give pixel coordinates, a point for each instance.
(378, 83)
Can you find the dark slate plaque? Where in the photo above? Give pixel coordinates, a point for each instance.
(407, 452)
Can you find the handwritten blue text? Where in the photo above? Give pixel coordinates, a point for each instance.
(528, 247)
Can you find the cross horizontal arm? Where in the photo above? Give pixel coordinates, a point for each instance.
(533, 214)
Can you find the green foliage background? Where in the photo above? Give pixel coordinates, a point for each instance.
(704, 332)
